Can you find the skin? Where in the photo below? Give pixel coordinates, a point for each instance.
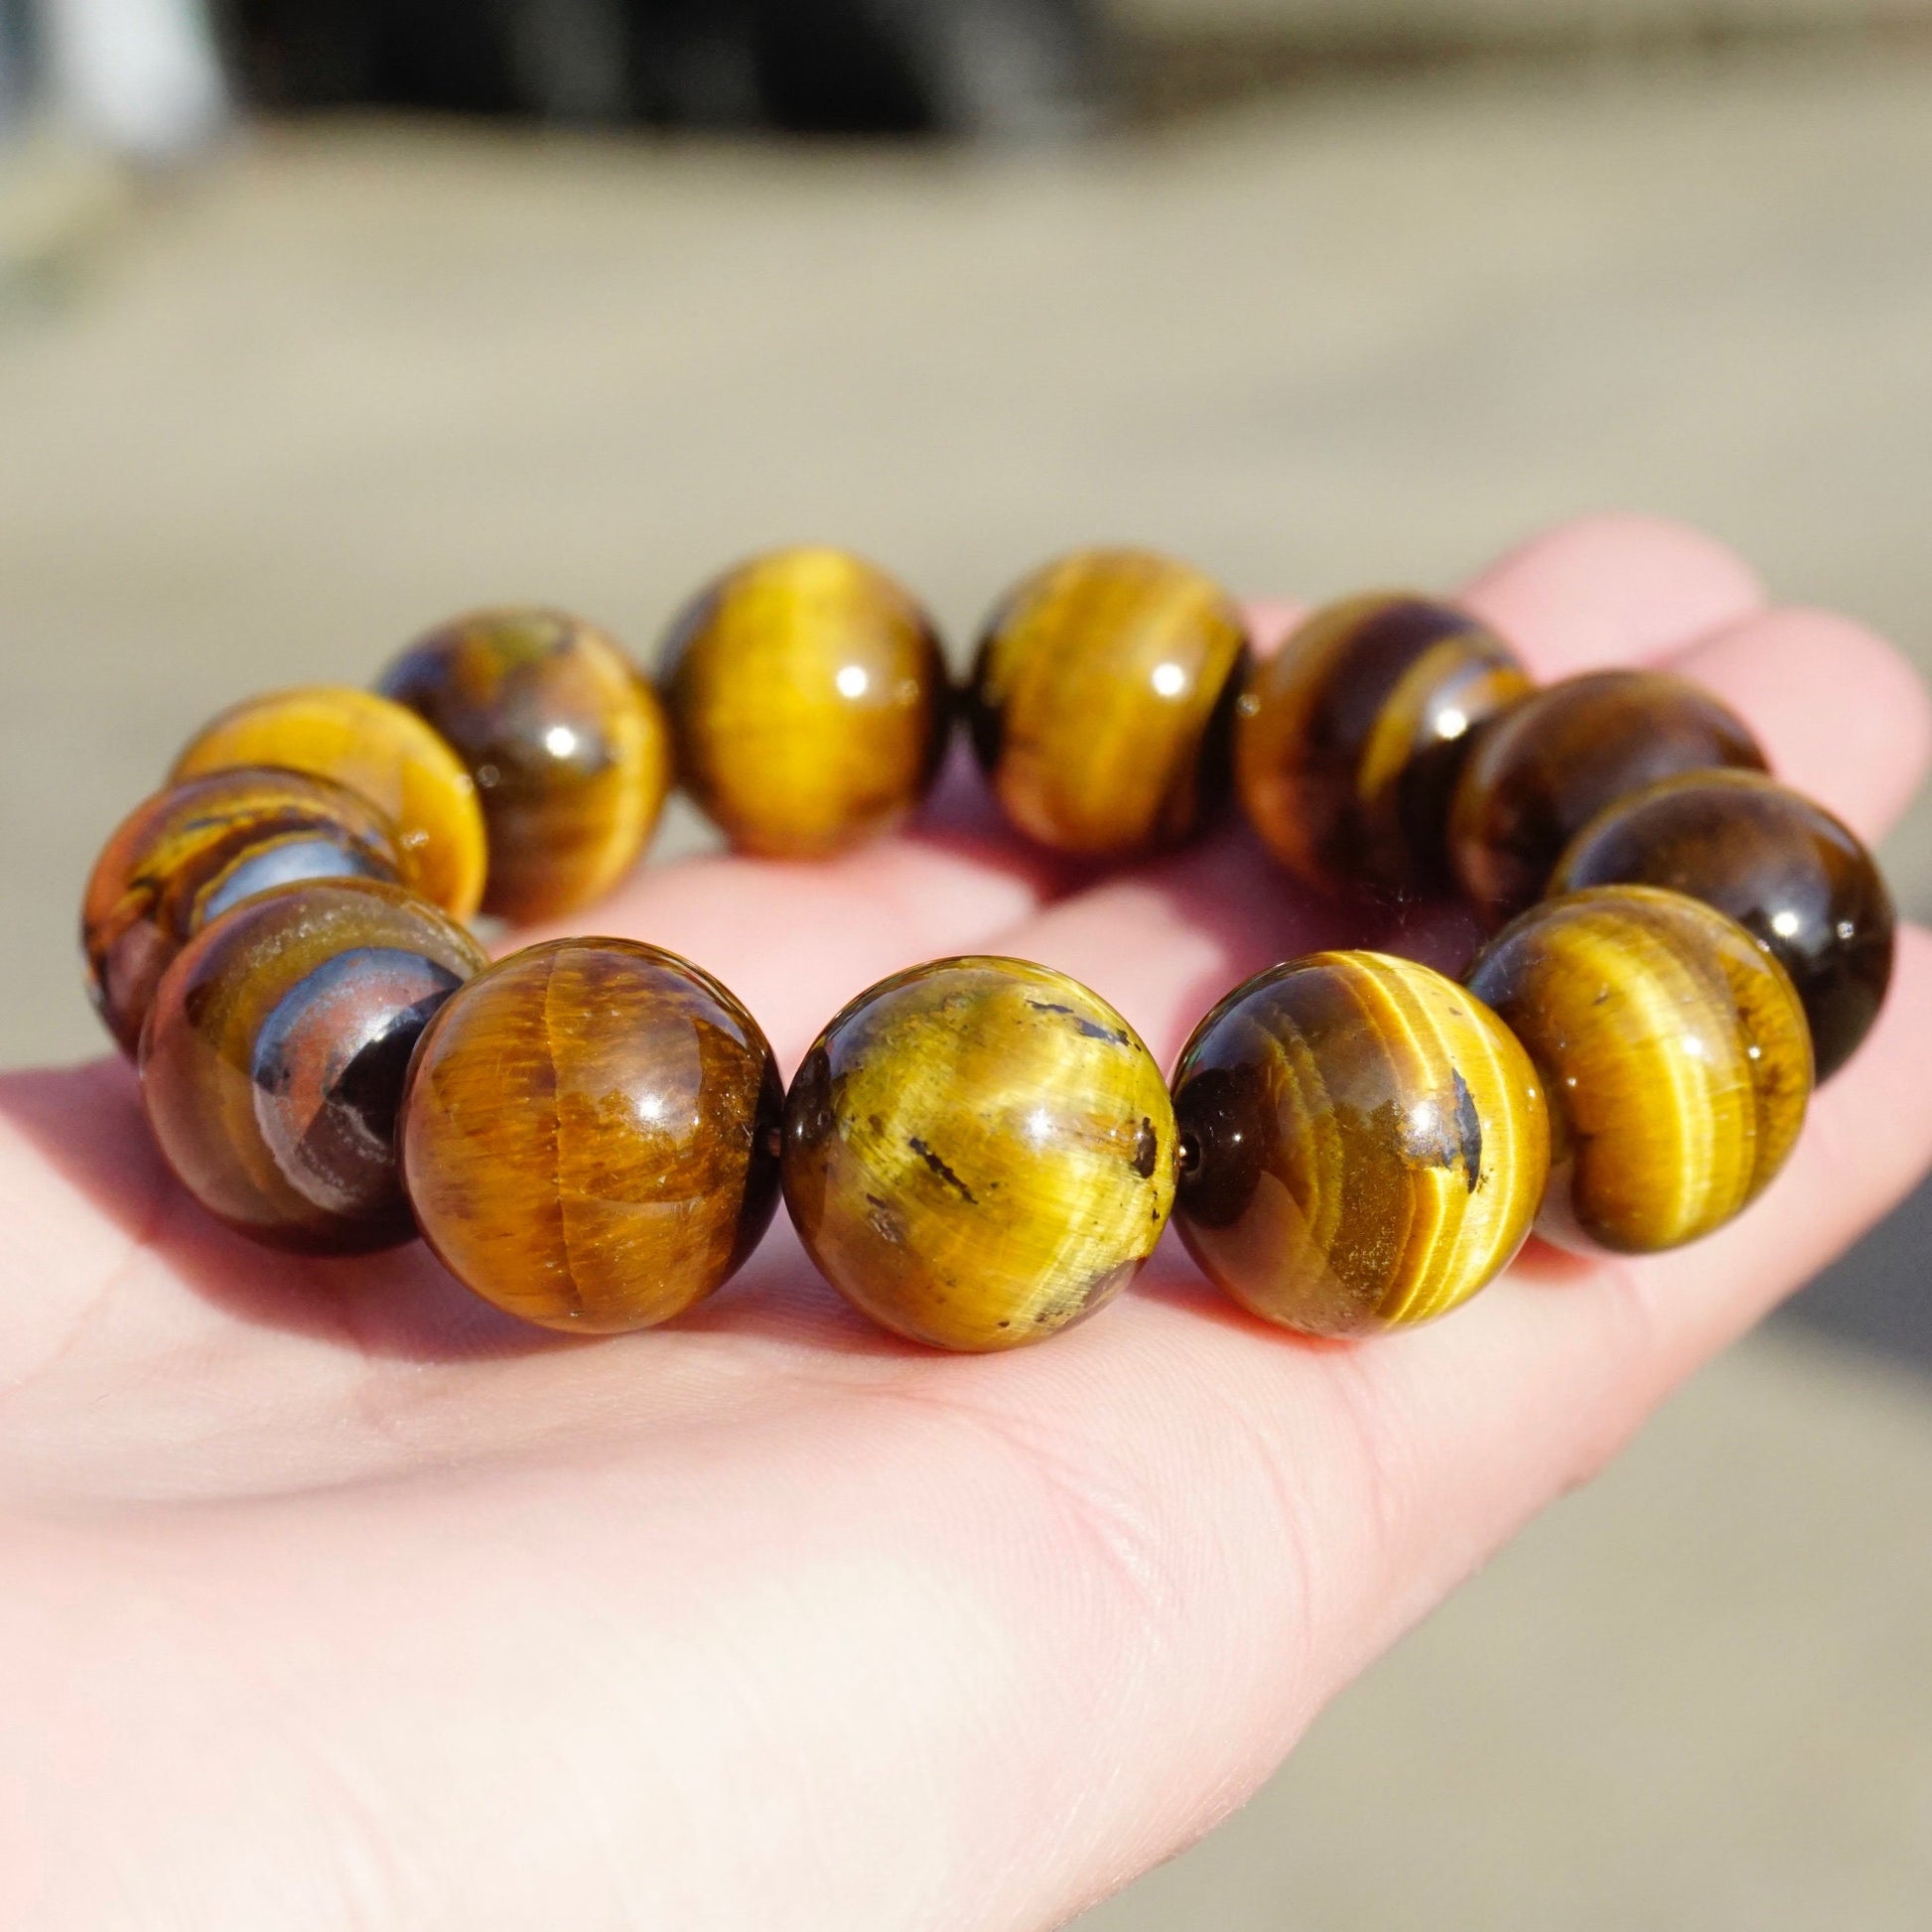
(350, 1605)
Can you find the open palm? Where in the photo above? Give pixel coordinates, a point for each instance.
(335, 1599)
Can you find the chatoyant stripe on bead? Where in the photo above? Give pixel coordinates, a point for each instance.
(1368, 1144)
(809, 700)
(1101, 702)
(1676, 1053)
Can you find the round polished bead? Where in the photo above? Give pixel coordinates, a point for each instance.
(372, 745)
(1348, 741)
(273, 1060)
(568, 746)
(1674, 1052)
(979, 1153)
(1791, 875)
(190, 853)
(1542, 773)
(1364, 1144)
(590, 1135)
(809, 703)
(1102, 702)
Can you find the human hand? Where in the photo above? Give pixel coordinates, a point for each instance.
(335, 1600)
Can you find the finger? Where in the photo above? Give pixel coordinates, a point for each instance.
(1842, 716)
(1270, 623)
(1593, 592)
(1611, 590)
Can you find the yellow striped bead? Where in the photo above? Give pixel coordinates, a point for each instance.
(1676, 1055)
(809, 703)
(1364, 1144)
(378, 748)
(1102, 702)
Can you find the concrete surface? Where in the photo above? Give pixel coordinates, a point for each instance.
(348, 381)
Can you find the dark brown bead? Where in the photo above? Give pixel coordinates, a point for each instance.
(809, 703)
(1102, 702)
(568, 746)
(979, 1153)
(1790, 873)
(1349, 740)
(1364, 1144)
(1674, 1053)
(191, 852)
(590, 1135)
(273, 1061)
(1543, 771)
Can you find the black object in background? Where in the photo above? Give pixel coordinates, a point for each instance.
(15, 56)
(1012, 69)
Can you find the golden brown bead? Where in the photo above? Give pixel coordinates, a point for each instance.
(1103, 699)
(372, 745)
(1543, 771)
(1364, 1144)
(273, 1060)
(1674, 1052)
(1348, 741)
(568, 746)
(590, 1135)
(191, 852)
(1796, 880)
(979, 1153)
(809, 703)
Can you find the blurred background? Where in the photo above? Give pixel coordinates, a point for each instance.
(320, 319)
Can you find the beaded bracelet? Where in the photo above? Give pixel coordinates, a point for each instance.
(593, 1133)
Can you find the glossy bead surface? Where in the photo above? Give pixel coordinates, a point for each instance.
(1364, 1144)
(979, 1153)
(568, 746)
(1674, 1052)
(1348, 741)
(1802, 883)
(1541, 774)
(590, 1135)
(187, 855)
(273, 1060)
(372, 745)
(809, 703)
(1103, 699)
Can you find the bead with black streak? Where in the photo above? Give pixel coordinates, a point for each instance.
(273, 1062)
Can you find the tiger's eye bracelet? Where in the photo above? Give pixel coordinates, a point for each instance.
(593, 1135)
